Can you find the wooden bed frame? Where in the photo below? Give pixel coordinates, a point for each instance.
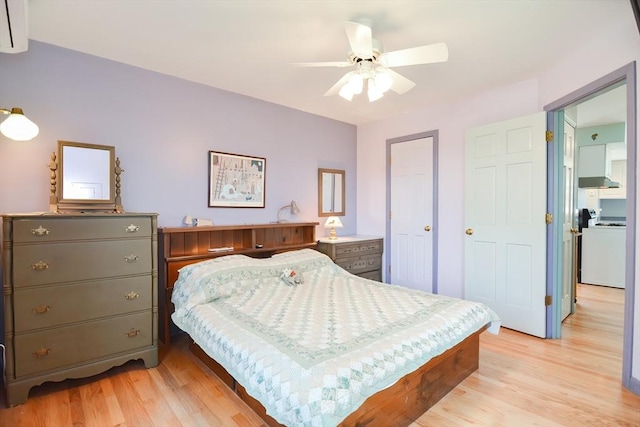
(400, 404)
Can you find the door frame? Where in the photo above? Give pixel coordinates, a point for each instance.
(387, 244)
(626, 73)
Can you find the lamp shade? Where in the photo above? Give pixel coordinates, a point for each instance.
(18, 127)
(333, 222)
(294, 208)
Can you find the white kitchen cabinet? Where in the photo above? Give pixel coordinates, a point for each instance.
(594, 161)
(603, 256)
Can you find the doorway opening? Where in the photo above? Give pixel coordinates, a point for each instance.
(562, 203)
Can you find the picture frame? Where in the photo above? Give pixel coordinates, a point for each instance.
(236, 181)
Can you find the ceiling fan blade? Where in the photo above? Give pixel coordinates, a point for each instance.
(360, 39)
(428, 54)
(400, 84)
(323, 64)
(336, 87)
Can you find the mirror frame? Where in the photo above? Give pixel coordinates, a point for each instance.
(322, 171)
(112, 204)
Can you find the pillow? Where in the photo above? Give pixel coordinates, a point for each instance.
(209, 280)
(291, 277)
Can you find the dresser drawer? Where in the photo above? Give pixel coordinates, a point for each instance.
(360, 264)
(50, 306)
(66, 262)
(372, 275)
(64, 229)
(350, 250)
(66, 346)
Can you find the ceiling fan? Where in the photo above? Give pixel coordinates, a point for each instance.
(373, 66)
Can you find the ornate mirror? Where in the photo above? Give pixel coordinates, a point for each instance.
(331, 192)
(86, 178)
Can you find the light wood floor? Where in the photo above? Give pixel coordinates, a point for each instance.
(522, 381)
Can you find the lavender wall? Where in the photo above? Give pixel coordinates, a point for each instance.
(162, 128)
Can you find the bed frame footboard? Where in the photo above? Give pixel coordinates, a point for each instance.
(398, 405)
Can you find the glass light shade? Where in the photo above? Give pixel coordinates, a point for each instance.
(18, 127)
(373, 92)
(355, 84)
(383, 80)
(346, 93)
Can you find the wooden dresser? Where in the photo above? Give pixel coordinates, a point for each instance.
(359, 255)
(79, 295)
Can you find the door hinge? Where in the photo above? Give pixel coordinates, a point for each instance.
(549, 135)
(389, 160)
(548, 299)
(389, 214)
(548, 218)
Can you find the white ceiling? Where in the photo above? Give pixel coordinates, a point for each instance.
(248, 47)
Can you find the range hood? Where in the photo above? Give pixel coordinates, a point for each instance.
(597, 182)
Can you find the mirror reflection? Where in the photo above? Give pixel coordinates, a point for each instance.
(86, 173)
(331, 192)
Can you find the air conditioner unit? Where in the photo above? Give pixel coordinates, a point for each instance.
(13, 26)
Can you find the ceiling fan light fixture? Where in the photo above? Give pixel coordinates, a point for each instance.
(346, 92)
(355, 84)
(382, 80)
(373, 92)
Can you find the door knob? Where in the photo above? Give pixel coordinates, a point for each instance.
(427, 228)
(469, 231)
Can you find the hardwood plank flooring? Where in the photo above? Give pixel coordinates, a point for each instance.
(522, 381)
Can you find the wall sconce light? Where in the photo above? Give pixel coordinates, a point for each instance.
(17, 126)
(333, 222)
(293, 209)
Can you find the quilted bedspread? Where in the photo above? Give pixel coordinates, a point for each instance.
(312, 352)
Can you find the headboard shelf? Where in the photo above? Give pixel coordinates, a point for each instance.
(180, 246)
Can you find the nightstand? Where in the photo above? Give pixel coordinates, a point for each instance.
(359, 255)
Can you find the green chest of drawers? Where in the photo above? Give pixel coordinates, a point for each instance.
(79, 296)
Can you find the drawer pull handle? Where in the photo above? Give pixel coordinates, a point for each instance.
(132, 333)
(41, 309)
(131, 228)
(42, 352)
(131, 258)
(40, 231)
(39, 266)
(132, 295)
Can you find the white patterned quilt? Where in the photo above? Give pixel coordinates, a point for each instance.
(313, 352)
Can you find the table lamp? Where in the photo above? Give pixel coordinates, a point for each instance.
(333, 222)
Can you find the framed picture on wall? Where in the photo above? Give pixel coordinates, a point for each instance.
(236, 181)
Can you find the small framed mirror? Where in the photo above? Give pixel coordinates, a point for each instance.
(87, 179)
(331, 185)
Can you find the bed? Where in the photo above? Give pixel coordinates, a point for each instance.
(306, 343)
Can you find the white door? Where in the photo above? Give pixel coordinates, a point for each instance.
(568, 229)
(505, 200)
(411, 221)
